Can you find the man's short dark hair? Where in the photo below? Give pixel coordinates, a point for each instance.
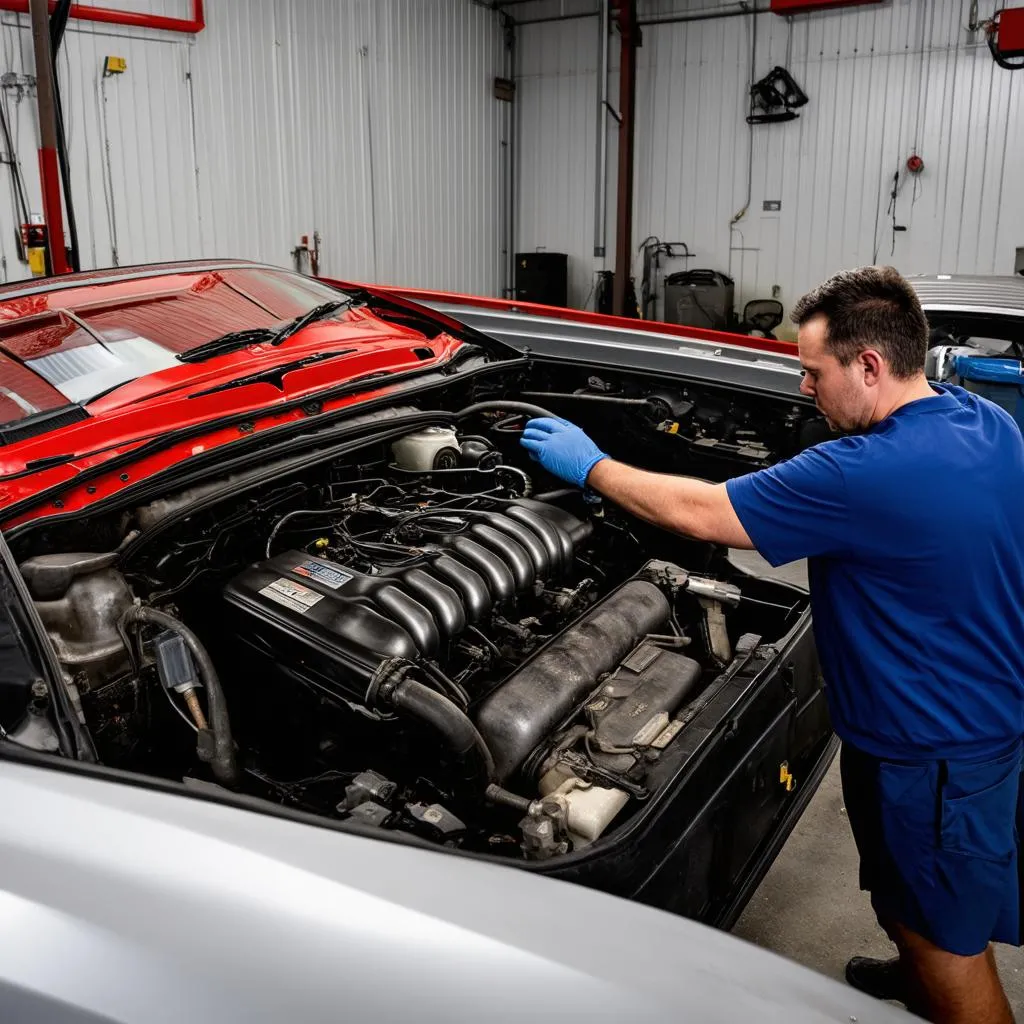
(871, 307)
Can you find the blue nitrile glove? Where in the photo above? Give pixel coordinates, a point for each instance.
(561, 448)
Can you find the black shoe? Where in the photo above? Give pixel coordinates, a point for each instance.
(882, 979)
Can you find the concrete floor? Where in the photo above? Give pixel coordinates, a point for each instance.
(810, 909)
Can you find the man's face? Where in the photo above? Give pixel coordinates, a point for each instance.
(841, 393)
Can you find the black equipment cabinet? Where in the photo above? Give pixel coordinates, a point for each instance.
(543, 277)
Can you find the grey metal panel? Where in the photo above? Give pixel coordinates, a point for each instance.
(733, 365)
(122, 904)
(556, 93)
(1003, 295)
(372, 121)
(884, 81)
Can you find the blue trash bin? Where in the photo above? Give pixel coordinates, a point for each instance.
(999, 380)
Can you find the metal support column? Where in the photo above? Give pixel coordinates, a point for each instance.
(601, 159)
(511, 125)
(49, 175)
(630, 33)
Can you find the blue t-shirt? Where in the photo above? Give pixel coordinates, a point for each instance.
(915, 535)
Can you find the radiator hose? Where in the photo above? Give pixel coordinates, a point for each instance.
(393, 688)
(222, 759)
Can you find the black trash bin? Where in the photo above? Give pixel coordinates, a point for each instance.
(699, 298)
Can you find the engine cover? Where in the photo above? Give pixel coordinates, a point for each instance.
(342, 623)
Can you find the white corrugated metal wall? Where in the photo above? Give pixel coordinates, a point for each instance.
(883, 82)
(371, 121)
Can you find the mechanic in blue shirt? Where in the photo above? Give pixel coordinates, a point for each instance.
(912, 524)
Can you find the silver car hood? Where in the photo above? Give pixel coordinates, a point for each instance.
(119, 903)
(736, 365)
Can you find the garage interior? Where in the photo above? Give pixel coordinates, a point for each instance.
(686, 161)
(428, 143)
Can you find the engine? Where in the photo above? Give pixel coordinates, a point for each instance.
(414, 641)
(345, 621)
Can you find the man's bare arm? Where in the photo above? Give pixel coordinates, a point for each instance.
(693, 507)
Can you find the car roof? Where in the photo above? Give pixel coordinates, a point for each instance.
(1001, 295)
(108, 275)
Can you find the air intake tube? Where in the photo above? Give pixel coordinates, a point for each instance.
(530, 704)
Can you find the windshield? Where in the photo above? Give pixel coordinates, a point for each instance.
(73, 345)
(85, 367)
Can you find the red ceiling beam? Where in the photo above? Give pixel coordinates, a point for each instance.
(807, 6)
(133, 19)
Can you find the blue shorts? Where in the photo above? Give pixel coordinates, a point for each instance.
(938, 845)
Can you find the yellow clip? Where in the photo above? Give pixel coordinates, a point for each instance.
(115, 66)
(321, 543)
(786, 777)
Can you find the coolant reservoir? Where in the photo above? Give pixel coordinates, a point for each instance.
(426, 449)
(589, 808)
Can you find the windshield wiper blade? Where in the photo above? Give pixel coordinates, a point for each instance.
(321, 312)
(230, 342)
(274, 375)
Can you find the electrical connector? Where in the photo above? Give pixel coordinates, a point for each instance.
(174, 664)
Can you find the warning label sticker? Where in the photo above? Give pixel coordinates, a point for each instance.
(291, 595)
(325, 574)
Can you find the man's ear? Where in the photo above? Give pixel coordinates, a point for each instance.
(872, 364)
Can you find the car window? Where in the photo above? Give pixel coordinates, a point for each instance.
(214, 304)
(287, 295)
(89, 366)
(23, 393)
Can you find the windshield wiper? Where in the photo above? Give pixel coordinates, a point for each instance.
(230, 342)
(321, 312)
(274, 375)
(234, 340)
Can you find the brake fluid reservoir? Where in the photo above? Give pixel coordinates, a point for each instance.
(426, 449)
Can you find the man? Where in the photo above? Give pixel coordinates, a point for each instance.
(912, 524)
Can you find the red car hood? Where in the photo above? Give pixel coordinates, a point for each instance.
(63, 337)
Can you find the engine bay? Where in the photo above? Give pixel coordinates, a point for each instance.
(428, 635)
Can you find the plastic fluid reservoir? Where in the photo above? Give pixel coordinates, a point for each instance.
(426, 449)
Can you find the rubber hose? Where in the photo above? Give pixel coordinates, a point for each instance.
(499, 405)
(449, 686)
(444, 717)
(561, 492)
(223, 763)
(497, 795)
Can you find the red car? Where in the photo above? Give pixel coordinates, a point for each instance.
(272, 541)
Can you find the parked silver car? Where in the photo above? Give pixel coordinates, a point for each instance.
(122, 903)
